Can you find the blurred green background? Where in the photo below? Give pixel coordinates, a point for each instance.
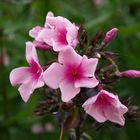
(17, 17)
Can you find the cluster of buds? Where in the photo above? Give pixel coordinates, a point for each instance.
(83, 81)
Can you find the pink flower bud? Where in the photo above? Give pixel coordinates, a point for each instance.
(130, 74)
(4, 58)
(98, 2)
(37, 128)
(49, 127)
(110, 35)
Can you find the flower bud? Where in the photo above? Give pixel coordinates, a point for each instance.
(110, 35)
(37, 128)
(98, 2)
(49, 127)
(4, 58)
(129, 74)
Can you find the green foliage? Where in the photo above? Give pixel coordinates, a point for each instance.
(17, 17)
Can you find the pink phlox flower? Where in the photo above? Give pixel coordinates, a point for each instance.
(70, 73)
(57, 32)
(105, 106)
(29, 78)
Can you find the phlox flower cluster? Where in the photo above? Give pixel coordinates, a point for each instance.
(70, 72)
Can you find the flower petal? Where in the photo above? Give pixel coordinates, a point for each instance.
(57, 46)
(96, 112)
(89, 66)
(34, 31)
(71, 36)
(89, 101)
(31, 54)
(26, 89)
(19, 75)
(57, 22)
(113, 114)
(46, 35)
(86, 82)
(123, 109)
(68, 91)
(68, 56)
(53, 75)
(50, 14)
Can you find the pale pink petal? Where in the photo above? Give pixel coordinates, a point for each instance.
(47, 25)
(113, 108)
(113, 114)
(86, 82)
(54, 75)
(90, 101)
(34, 31)
(26, 89)
(46, 35)
(96, 112)
(19, 75)
(71, 35)
(58, 22)
(89, 66)
(50, 14)
(94, 109)
(31, 54)
(40, 83)
(68, 91)
(68, 56)
(123, 109)
(57, 46)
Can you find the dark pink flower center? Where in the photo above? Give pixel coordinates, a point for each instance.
(36, 70)
(74, 73)
(61, 36)
(104, 100)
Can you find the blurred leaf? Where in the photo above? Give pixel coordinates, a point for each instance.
(98, 21)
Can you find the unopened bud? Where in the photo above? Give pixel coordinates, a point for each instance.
(4, 58)
(98, 2)
(129, 74)
(110, 35)
(37, 128)
(97, 55)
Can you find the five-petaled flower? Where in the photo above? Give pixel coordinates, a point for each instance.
(72, 72)
(57, 32)
(29, 78)
(105, 106)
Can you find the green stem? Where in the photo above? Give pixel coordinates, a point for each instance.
(62, 131)
(77, 130)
